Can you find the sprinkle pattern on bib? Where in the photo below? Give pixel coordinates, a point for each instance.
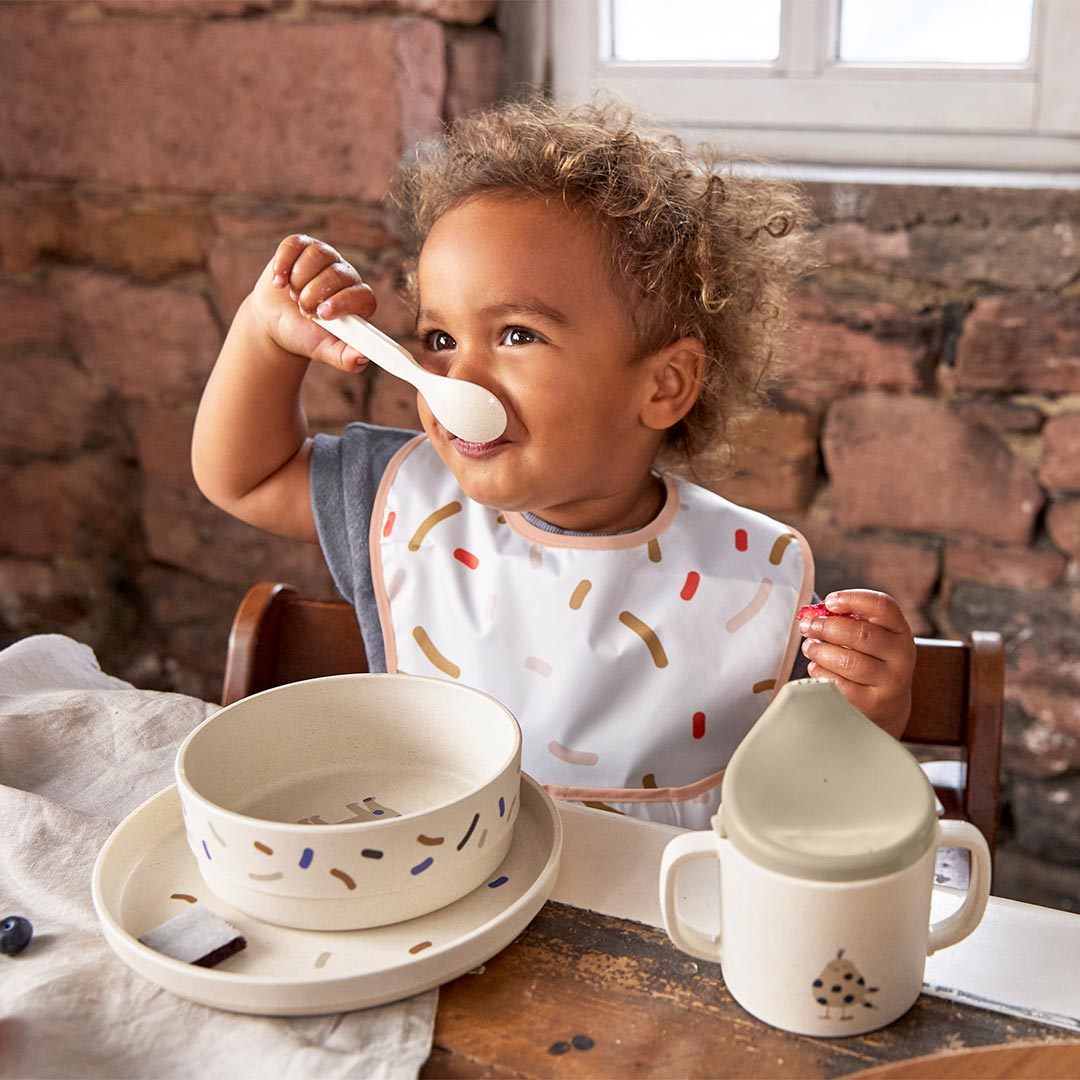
(623, 657)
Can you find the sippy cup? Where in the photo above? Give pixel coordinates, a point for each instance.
(825, 842)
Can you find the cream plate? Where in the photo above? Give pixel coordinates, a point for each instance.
(145, 874)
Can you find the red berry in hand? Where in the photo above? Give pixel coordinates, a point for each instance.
(812, 610)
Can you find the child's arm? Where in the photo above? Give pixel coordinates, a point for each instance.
(250, 451)
(871, 659)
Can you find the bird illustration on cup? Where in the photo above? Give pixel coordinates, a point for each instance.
(840, 986)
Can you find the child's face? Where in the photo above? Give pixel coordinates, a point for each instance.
(515, 295)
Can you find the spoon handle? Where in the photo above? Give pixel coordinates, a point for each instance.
(463, 408)
(376, 346)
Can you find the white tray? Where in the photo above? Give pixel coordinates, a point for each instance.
(145, 875)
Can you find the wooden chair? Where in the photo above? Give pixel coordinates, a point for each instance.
(280, 637)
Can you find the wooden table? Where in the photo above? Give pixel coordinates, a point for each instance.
(593, 988)
(580, 994)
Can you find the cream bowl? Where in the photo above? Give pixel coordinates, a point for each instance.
(351, 801)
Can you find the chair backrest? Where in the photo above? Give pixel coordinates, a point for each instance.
(958, 691)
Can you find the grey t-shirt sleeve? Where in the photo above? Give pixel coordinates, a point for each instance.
(345, 474)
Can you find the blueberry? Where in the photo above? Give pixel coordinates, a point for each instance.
(15, 934)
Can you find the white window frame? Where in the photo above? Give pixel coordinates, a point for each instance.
(808, 107)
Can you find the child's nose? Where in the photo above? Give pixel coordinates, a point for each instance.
(472, 364)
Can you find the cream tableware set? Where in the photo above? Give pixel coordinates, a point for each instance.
(369, 835)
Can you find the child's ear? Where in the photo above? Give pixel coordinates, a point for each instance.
(676, 374)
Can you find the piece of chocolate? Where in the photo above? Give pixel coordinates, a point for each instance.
(196, 936)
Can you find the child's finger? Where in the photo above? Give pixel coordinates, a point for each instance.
(878, 607)
(858, 635)
(337, 290)
(316, 258)
(337, 354)
(856, 667)
(864, 698)
(288, 251)
(354, 300)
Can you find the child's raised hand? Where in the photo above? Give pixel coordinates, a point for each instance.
(871, 659)
(304, 278)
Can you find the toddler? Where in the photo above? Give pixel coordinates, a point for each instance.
(621, 299)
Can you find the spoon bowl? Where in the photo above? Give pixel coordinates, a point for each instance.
(463, 408)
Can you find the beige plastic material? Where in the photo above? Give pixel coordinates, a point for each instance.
(463, 408)
(816, 790)
(351, 801)
(145, 874)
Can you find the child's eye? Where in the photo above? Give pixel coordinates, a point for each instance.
(518, 335)
(438, 340)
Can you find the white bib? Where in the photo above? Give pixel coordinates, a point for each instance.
(634, 663)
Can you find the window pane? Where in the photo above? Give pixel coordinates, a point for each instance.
(701, 30)
(935, 31)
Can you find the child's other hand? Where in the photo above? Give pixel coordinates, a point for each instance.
(304, 278)
(871, 659)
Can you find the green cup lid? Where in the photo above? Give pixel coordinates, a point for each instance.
(816, 790)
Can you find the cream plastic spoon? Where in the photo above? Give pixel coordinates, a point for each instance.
(463, 408)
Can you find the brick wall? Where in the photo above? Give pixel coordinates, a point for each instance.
(927, 442)
(152, 152)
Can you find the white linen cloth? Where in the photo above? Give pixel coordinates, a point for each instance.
(79, 750)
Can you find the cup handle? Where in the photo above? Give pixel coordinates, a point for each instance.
(683, 849)
(957, 926)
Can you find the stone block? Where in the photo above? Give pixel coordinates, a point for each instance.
(391, 402)
(468, 12)
(191, 619)
(827, 360)
(771, 465)
(226, 105)
(1034, 880)
(911, 463)
(1061, 453)
(888, 207)
(904, 568)
(51, 404)
(850, 243)
(267, 222)
(1063, 525)
(841, 343)
(191, 8)
(38, 597)
(30, 223)
(367, 228)
(147, 237)
(420, 79)
(1045, 256)
(1020, 342)
(185, 531)
(1041, 629)
(334, 398)
(77, 509)
(147, 343)
(1005, 417)
(1046, 815)
(28, 316)
(473, 71)
(395, 314)
(1042, 732)
(235, 267)
(1013, 566)
(163, 442)
(959, 237)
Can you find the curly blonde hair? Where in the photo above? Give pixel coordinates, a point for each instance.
(694, 250)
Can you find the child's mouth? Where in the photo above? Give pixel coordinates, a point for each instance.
(478, 449)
